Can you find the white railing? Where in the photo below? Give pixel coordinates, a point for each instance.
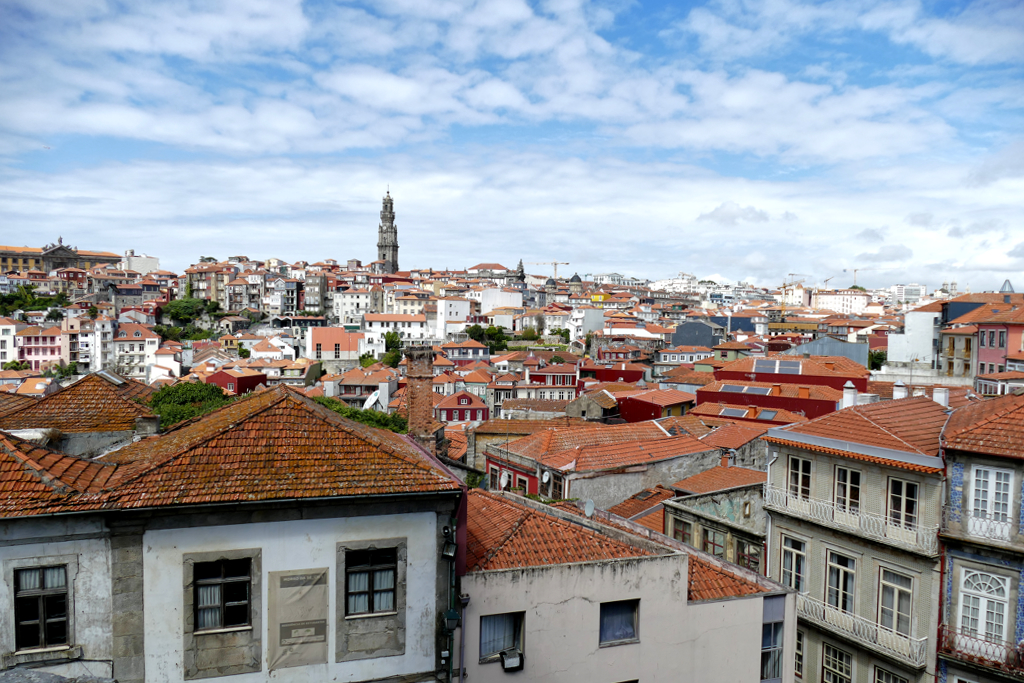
(878, 527)
(980, 524)
(910, 651)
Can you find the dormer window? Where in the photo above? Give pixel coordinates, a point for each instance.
(137, 333)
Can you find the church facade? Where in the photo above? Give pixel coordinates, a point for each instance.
(387, 239)
(52, 257)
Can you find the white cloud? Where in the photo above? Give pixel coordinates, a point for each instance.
(731, 213)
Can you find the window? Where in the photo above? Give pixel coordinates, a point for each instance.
(983, 606)
(748, 555)
(714, 542)
(794, 562)
(370, 581)
(990, 502)
(619, 622)
(799, 478)
(896, 600)
(683, 531)
(836, 665)
(798, 664)
(318, 352)
(771, 651)
(500, 632)
(981, 339)
(1002, 339)
(992, 338)
(222, 593)
(883, 676)
(521, 483)
(841, 578)
(40, 607)
(847, 490)
(903, 503)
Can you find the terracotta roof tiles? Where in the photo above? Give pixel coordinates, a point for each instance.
(641, 501)
(99, 402)
(995, 427)
(720, 478)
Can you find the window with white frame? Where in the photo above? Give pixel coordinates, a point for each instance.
(842, 577)
(991, 494)
(903, 499)
(799, 478)
(847, 489)
(896, 597)
(798, 653)
(499, 632)
(794, 562)
(983, 603)
(836, 665)
(883, 676)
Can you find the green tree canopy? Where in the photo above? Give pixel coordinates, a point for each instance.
(185, 400)
(373, 418)
(185, 310)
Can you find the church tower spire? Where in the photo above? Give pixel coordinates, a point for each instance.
(387, 236)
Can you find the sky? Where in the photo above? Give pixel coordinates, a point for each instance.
(733, 139)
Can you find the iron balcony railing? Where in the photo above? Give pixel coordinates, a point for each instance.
(978, 524)
(973, 648)
(922, 539)
(904, 649)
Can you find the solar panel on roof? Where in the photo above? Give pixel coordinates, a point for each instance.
(733, 388)
(767, 414)
(760, 391)
(733, 412)
(789, 367)
(765, 366)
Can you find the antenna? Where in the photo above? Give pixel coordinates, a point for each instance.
(588, 508)
(503, 482)
(545, 478)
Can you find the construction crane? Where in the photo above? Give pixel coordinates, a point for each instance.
(790, 276)
(857, 270)
(553, 264)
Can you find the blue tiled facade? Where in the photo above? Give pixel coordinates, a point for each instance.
(956, 492)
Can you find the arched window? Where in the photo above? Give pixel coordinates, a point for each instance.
(983, 605)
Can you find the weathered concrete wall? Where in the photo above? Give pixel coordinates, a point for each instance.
(289, 545)
(677, 641)
(607, 490)
(83, 546)
(729, 507)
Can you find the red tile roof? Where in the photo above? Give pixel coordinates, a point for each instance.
(538, 445)
(751, 412)
(99, 402)
(994, 427)
(814, 391)
(911, 425)
(624, 454)
(663, 397)
(958, 396)
(502, 534)
(642, 501)
(11, 402)
(455, 401)
(720, 478)
(735, 435)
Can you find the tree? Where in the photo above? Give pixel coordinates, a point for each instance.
(540, 322)
(857, 287)
(186, 400)
(530, 334)
(207, 259)
(55, 315)
(367, 359)
(557, 360)
(17, 365)
(62, 371)
(244, 352)
(495, 339)
(563, 333)
(212, 306)
(185, 310)
(394, 423)
(391, 358)
(876, 359)
(476, 333)
(93, 312)
(392, 342)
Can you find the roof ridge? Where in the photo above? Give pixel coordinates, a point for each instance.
(894, 435)
(513, 530)
(986, 419)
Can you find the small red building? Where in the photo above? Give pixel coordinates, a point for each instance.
(654, 404)
(828, 371)
(237, 381)
(462, 406)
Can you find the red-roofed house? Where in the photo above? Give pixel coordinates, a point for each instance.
(462, 406)
(654, 404)
(548, 589)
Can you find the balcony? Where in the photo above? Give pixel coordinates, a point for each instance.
(912, 652)
(1000, 529)
(976, 650)
(879, 528)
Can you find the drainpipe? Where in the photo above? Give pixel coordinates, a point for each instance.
(464, 599)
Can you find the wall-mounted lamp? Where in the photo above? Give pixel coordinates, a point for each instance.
(452, 619)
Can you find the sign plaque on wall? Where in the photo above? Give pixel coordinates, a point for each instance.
(298, 618)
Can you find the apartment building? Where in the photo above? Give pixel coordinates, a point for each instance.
(854, 501)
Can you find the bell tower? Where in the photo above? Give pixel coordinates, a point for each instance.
(387, 236)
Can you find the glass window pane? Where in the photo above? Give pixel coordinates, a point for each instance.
(56, 606)
(236, 591)
(54, 577)
(384, 601)
(29, 579)
(56, 632)
(208, 618)
(384, 579)
(209, 596)
(359, 581)
(236, 615)
(618, 621)
(358, 604)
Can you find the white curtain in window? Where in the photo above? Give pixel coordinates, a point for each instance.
(208, 614)
(358, 581)
(29, 579)
(618, 621)
(497, 633)
(54, 577)
(384, 584)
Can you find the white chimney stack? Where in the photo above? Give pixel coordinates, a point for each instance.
(849, 394)
(899, 390)
(941, 396)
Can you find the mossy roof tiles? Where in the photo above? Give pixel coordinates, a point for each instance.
(99, 402)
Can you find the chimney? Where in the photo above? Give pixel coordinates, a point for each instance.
(807, 355)
(725, 461)
(849, 394)
(941, 395)
(420, 385)
(899, 390)
(803, 392)
(776, 390)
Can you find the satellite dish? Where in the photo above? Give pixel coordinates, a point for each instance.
(504, 481)
(545, 478)
(588, 508)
